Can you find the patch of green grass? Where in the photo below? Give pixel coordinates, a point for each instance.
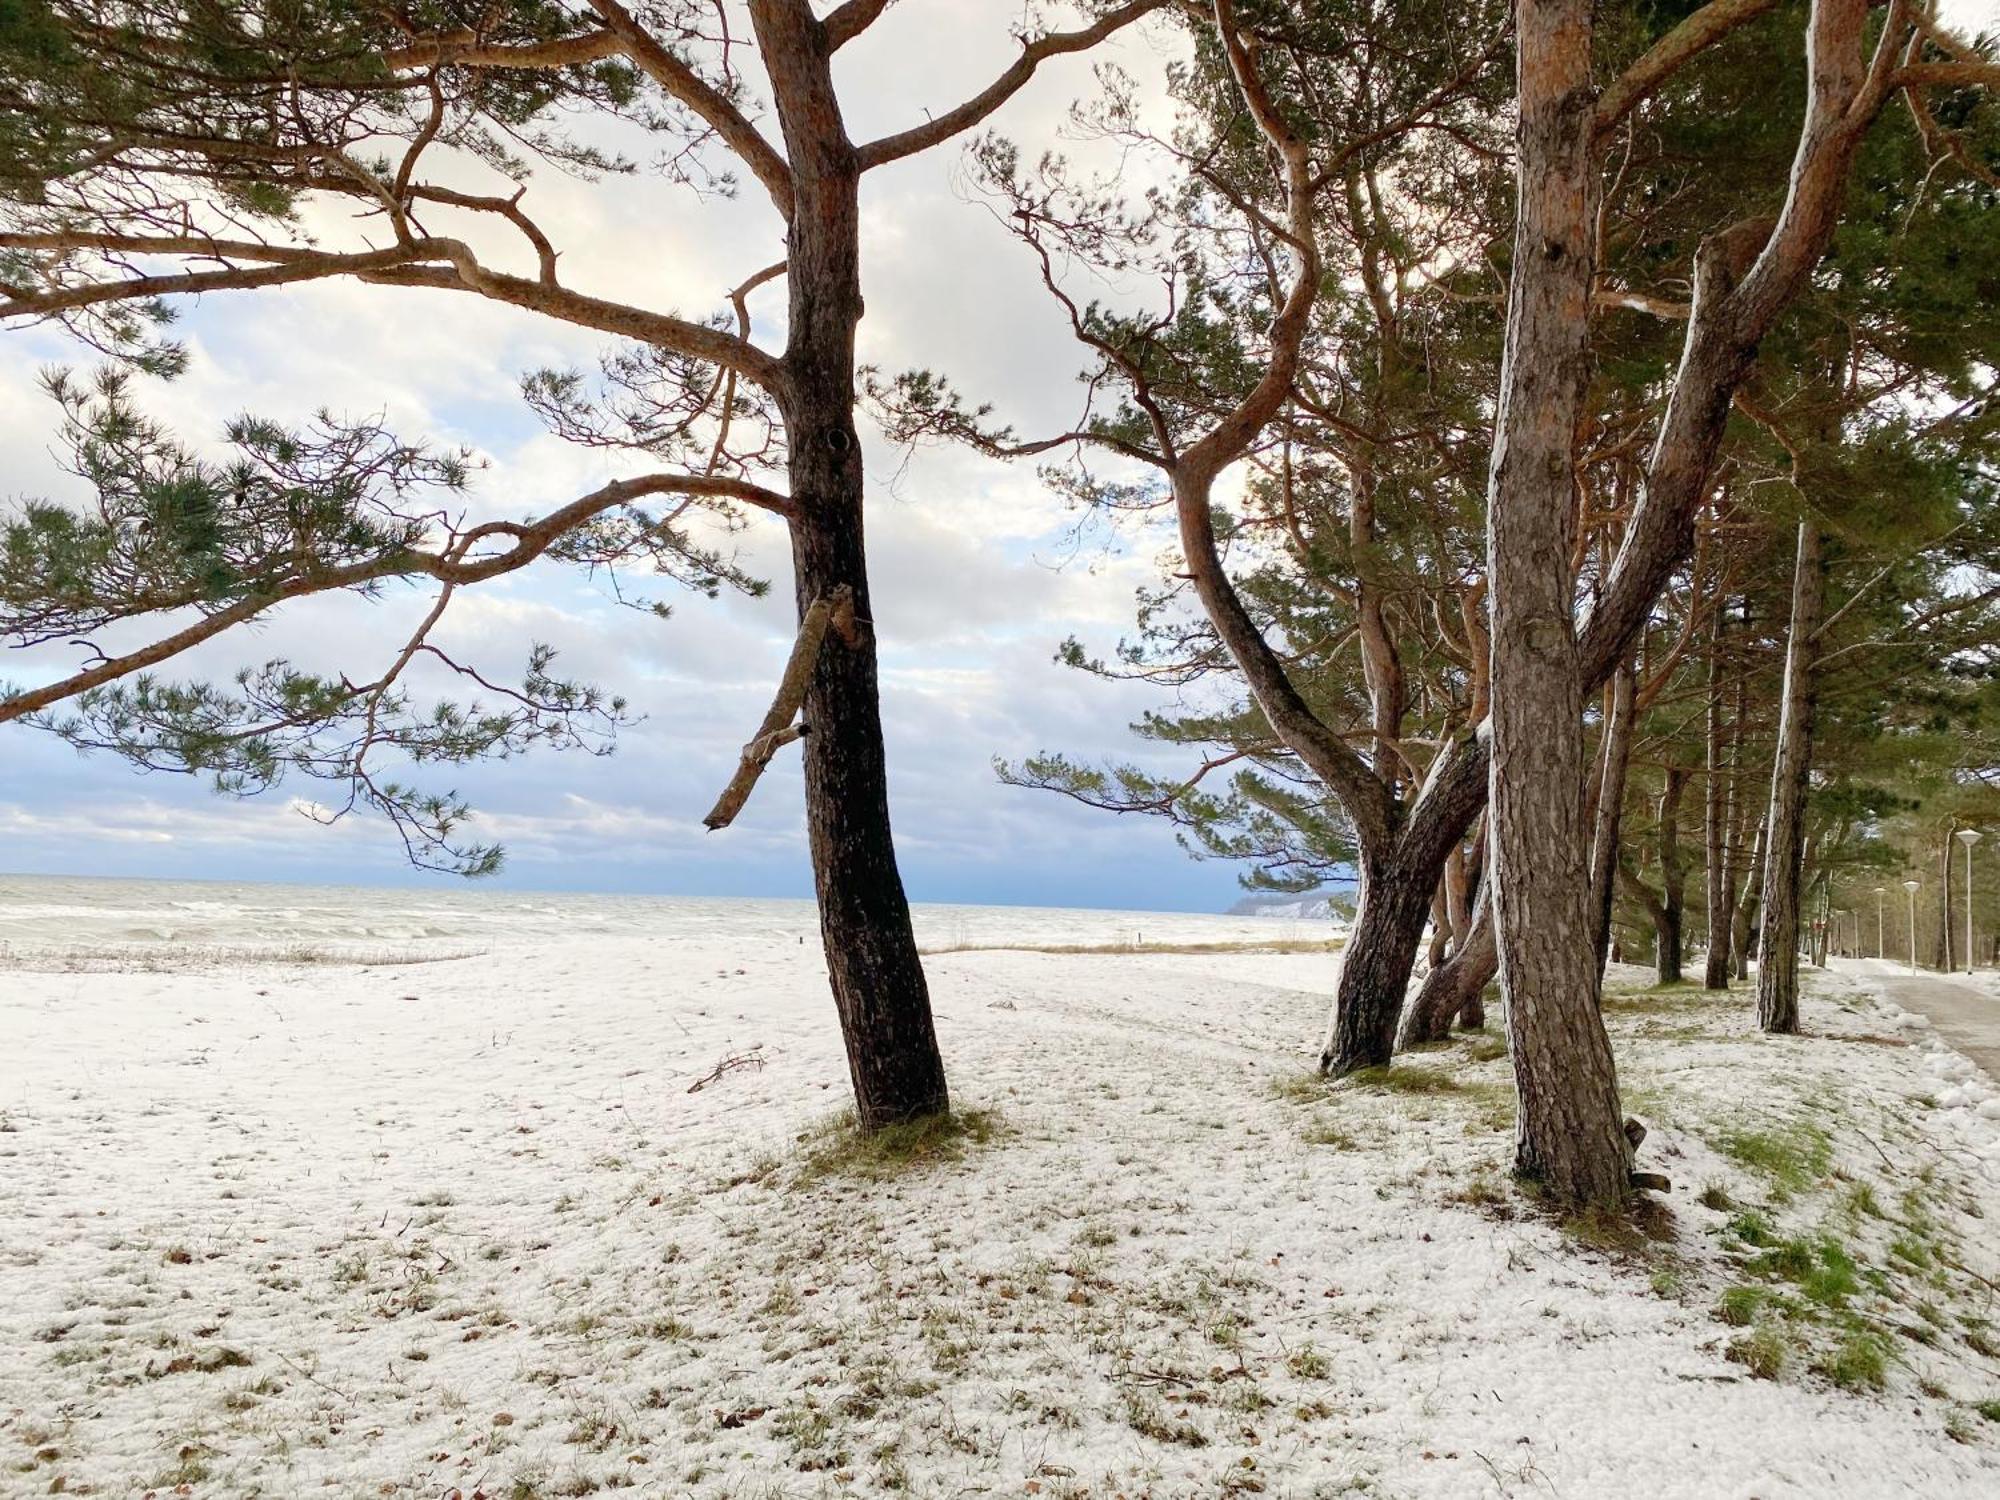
(1395, 1079)
(1860, 1362)
(1611, 1229)
(1912, 1251)
(1145, 1415)
(1750, 1228)
(1305, 1087)
(1989, 1408)
(1485, 1048)
(1822, 1268)
(1790, 1157)
(1763, 1352)
(1326, 1133)
(1308, 1363)
(1739, 1304)
(838, 1148)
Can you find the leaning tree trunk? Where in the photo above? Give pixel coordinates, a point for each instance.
(871, 950)
(1784, 848)
(1569, 1134)
(1454, 989)
(1375, 966)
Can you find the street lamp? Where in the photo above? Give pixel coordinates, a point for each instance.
(1880, 951)
(1911, 887)
(1968, 837)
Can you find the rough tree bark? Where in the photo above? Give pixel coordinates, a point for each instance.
(1569, 1132)
(1784, 845)
(877, 977)
(1614, 758)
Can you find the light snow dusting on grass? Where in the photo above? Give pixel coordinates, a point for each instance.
(585, 1215)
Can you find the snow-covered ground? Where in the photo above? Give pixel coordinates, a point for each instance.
(468, 1227)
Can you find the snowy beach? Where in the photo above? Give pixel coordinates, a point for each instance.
(566, 1214)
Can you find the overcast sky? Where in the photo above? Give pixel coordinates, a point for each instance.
(977, 575)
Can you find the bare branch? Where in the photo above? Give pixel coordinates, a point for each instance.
(685, 85)
(848, 21)
(778, 730)
(1671, 53)
(956, 121)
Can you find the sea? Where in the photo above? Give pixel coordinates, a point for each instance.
(41, 913)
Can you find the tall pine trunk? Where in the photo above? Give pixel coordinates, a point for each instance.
(1717, 793)
(1673, 881)
(1569, 1134)
(871, 950)
(1784, 848)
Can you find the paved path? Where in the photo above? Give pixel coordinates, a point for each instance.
(1965, 1015)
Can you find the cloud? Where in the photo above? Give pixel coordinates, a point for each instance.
(974, 571)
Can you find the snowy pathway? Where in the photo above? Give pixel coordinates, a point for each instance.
(1965, 1014)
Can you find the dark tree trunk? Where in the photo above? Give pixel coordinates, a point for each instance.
(1570, 1130)
(1673, 881)
(1456, 987)
(1784, 847)
(1375, 967)
(1614, 756)
(871, 951)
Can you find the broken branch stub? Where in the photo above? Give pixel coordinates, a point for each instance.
(777, 731)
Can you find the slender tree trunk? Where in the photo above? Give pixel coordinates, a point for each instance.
(871, 951)
(1784, 848)
(1614, 757)
(1944, 943)
(1742, 922)
(1570, 1131)
(1673, 880)
(1440, 929)
(1717, 906)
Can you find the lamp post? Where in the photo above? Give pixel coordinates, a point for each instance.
(1880, 951)
(1968, 837)
(1911, 887)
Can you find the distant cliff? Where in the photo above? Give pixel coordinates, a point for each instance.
(1316, 906)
